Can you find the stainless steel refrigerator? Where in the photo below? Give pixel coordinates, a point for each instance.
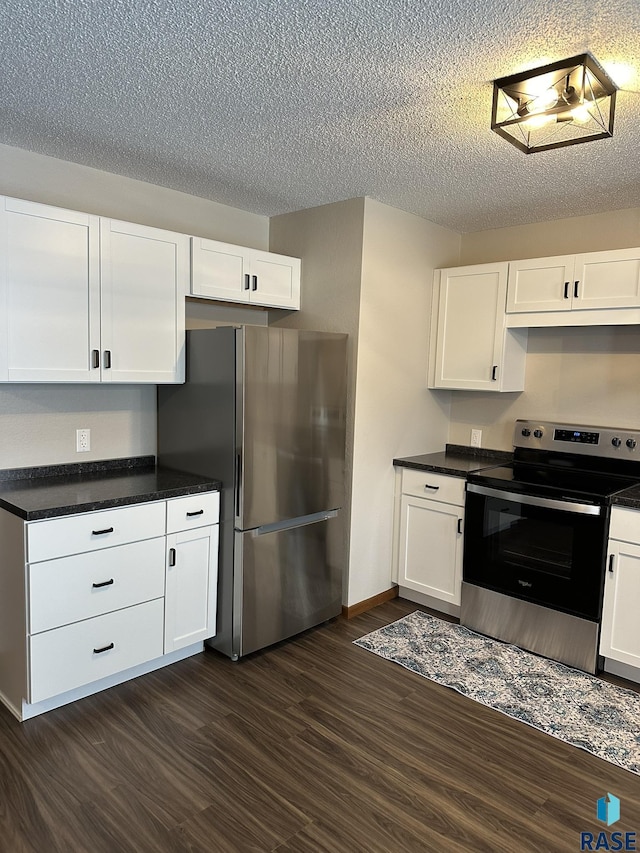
(263, 410)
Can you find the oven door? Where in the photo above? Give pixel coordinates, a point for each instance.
(544, 550)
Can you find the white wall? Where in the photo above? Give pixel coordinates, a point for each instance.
(395, 414)
(588, 375)
(38, 422)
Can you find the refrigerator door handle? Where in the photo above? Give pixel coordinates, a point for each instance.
(236, 485)
(291, 523)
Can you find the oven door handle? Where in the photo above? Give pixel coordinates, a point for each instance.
(532, 500)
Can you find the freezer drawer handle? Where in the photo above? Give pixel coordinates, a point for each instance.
(100, 532)
(103, 649)
(104, 583)
(191, 514)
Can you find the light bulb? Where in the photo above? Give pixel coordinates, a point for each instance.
(536, 121)
(544, 101)
(581, 114)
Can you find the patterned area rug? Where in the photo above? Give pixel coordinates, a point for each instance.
(571, 705)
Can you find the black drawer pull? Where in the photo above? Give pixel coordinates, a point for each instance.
(191, 514)
(433, 488)
(103, 649)
(104, 583)
(100, 532)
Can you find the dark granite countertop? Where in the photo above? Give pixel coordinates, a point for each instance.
(629, 497)
(456, 460)
(50, 491)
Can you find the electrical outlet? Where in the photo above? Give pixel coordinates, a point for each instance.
(476, 438)
(83, 440)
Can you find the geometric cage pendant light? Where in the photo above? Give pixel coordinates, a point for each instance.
(564, 103)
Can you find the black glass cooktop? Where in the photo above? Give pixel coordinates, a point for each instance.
(559, 482)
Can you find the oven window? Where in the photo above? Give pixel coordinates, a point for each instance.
(521, 541)
(540, 554)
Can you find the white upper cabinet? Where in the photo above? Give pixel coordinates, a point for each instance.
(236, 274)
(471, 348)
(541, 284)
(84, 299)
(145, 277)
(608, 279)
(49, 294)
(574, 283)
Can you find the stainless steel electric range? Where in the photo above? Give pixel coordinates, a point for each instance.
(535, 540)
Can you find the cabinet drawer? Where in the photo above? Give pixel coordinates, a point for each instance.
(440, 487)
(73, 588)
(199, 510)
(625, 524)
(73, 534)
(70, 657)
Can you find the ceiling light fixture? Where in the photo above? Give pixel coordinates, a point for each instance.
(560, 104)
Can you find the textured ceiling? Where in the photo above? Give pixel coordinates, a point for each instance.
(277, 105)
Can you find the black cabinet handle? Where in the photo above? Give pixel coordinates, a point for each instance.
(433, 488)
(191, 514)
(494, 372)
(566, 290)
(104, 583)
(100, 532)
(95, 358)
(103, 649)
(611, 559)
(107, 358)
(575, 289)
(459, 525)
(254, 280)
(246, 282)
(172, 556)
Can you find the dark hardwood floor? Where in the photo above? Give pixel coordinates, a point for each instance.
(314, 745)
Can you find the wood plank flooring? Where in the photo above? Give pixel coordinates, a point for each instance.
(313, 746)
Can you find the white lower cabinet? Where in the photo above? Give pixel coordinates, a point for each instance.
(190, 613)
(96, 596)
(87, 651)
(430, 535)
(620, 632)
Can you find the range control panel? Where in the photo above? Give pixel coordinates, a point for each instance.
(574, 438)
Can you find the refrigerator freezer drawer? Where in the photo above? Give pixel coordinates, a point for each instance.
(287, 581)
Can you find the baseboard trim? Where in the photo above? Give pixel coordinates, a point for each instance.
(369, 603)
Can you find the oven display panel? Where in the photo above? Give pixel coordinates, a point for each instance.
(577, 436)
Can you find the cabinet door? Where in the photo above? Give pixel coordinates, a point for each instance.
(430, 558)
(49, 293)
(470, 332)
(145, 275)
(541, 284)
(191, 587)
(275, 280)
(608, 279)
(620, 633)
(219, 271)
